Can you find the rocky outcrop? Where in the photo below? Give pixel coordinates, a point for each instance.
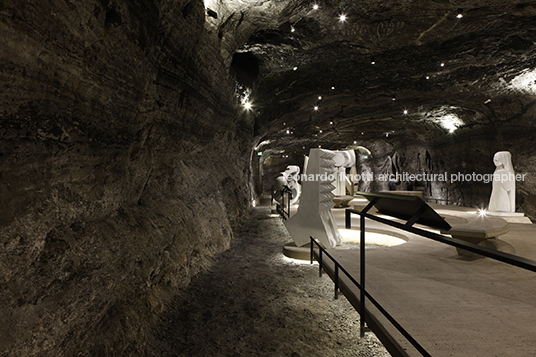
(124, 168)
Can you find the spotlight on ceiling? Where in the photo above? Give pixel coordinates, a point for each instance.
(460, 13)
(315, 108)
(292, 29)
(405, 112)
(247, 105)
(315, 7)
(342, 18)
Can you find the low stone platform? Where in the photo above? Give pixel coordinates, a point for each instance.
(477, 231)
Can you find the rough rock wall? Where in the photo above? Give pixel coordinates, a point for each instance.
(123, 168)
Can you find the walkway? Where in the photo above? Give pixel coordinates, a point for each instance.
(451, 305)
(255, 302)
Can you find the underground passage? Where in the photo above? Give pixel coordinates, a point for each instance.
(159, 160)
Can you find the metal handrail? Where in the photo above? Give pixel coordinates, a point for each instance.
(507, 258)
(511, 259)
(338, 267)
(281, 207)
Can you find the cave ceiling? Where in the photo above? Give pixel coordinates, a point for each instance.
(419, 69)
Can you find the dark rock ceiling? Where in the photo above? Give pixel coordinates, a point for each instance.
(470, 71)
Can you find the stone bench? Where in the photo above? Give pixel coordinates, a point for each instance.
(481, 231)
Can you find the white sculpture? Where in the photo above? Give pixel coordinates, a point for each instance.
(503, 192)
(314, 217)
(288, 178)
(343, 159)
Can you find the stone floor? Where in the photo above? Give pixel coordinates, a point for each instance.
(256, 302)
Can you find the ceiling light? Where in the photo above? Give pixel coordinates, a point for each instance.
(315, 7)
(295, 68)
(459, 16)
(292, 29)
(332, 87)
(320, 131)
(288, 131)
(315, 107)
(525, 82)
(247, 105)
(427, 77)
(342, 17)
(355, 142)
(405, 112)
(442, 65)
(319, 97)
(331, 123)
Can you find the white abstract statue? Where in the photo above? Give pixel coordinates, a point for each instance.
(503, 192)
(314, 217)
(288, 178)
(343, 159)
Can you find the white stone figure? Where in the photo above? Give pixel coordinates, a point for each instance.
(503, 192)
(288, 178)
(343, 159)
(314, 217)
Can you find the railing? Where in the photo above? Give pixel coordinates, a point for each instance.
(285, 214)
(338, 267)
(507, 258)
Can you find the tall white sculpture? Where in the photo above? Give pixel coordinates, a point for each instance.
(314, 217)
(288, 178)
(503, 192)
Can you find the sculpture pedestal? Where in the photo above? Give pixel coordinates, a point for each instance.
(505, 214)
(342, 201)
(511, 217)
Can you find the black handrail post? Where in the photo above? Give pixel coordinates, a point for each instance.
(362, 272)
(289, 196)
(312, 245)
(320, 261)
(348, 219)
(336, 280)
(283, 202)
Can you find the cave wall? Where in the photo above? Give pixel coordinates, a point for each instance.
(124, 166)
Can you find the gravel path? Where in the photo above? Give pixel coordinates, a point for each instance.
(256, 302)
